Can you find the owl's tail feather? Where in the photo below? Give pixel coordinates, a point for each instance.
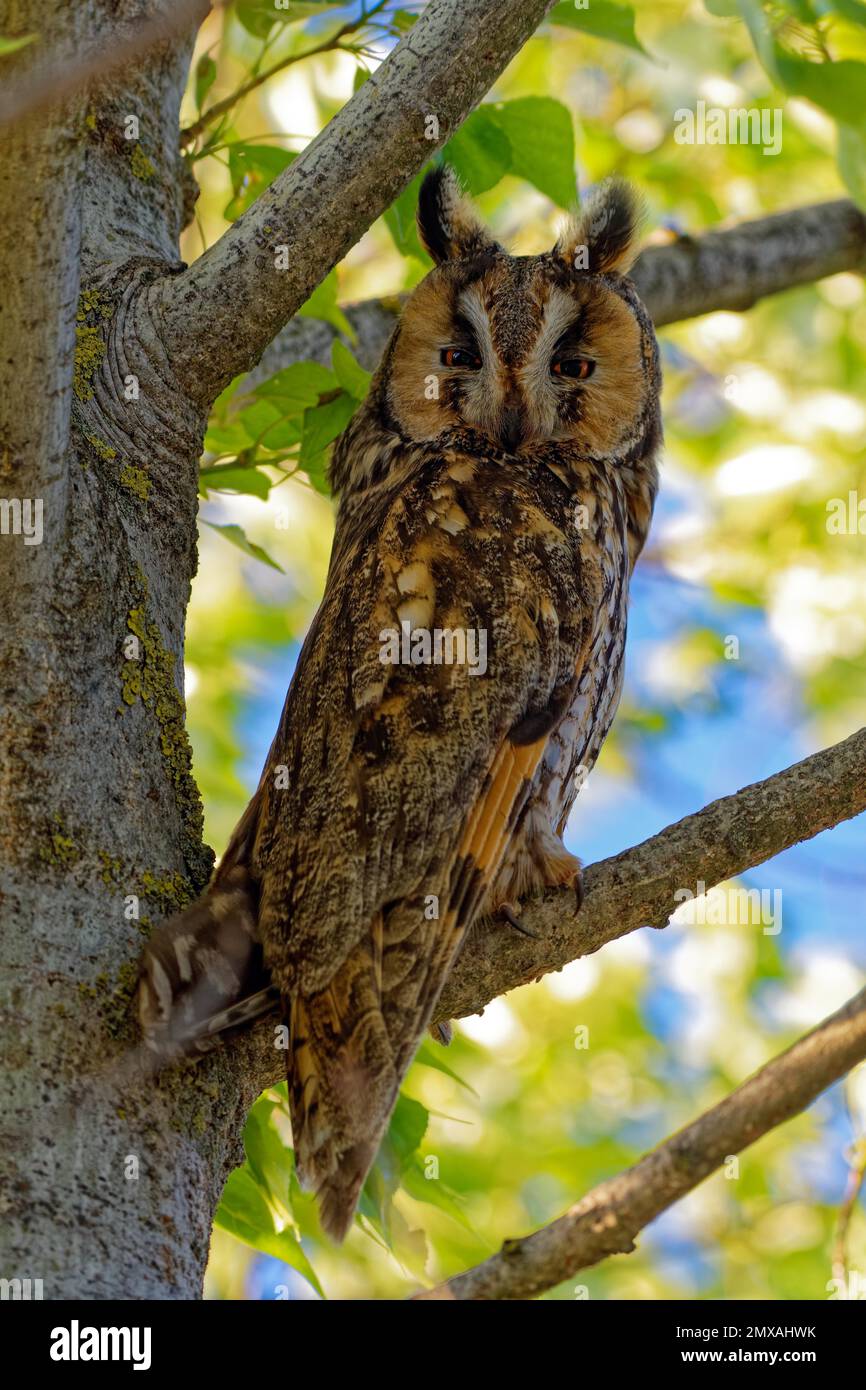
(342, 1086)
(203, 977)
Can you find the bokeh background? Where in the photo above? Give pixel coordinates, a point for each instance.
(746, 650)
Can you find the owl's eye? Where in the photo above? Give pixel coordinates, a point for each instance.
(459, 357)
(576, 368)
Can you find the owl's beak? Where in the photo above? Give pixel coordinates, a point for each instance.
(511, 430)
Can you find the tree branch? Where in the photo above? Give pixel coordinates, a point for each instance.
(732, 268)
(606, 1221)
(219, 314)
(636, 888)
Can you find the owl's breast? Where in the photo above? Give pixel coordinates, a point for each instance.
(575, 743)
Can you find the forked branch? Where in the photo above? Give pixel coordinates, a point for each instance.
(217, 317)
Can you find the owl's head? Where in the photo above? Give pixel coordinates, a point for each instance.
(526, 350)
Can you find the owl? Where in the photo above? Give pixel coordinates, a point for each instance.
(494, 491)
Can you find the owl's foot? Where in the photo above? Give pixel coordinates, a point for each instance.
(441, 1033)
(578, 890)
(509, 915)
(563, 870)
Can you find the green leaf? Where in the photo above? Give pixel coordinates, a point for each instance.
(435, 1193)
(403, 20)
(258, 416)
(602, 19)
(13, 45)
(245, 1213)
(400, 219)
(301, 383)
(259, 16)
(836, 88)
(407, 1128)
(852, 10)
(349, 372)
(322, 304)
(541, 135)
(205, 76)
(479, 152)
(236, 536)
(252, 168)
(272, 423)
(428, 1056)
(322, 424)
(229, 478)
(271, 1160)
(226, 438)
(851, 158)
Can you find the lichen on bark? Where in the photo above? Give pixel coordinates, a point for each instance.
(150, 677)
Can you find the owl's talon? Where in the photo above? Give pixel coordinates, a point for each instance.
(578, 891)
(508, 913)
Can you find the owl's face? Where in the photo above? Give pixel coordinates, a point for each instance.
(526, 350)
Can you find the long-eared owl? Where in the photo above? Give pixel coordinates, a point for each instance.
(494, 491)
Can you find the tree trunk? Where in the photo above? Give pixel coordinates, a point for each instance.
(107, 1190)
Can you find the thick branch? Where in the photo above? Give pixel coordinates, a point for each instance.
(606, 1221)
(727, 269)
(220, 314)
(735, 267)
(636, 888)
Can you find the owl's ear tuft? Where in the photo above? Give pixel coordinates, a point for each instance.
(448, 225)
(604, 236)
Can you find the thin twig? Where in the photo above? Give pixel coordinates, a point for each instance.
(191, 132)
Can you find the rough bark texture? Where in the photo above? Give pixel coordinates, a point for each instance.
(96, 797)
(606, 1221)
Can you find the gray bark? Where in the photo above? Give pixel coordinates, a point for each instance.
(96, 797)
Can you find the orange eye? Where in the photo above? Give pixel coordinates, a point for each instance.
(575, 368)
(459, 357)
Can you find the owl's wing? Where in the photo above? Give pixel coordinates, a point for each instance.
(392, 790)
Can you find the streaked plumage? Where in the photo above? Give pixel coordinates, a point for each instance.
(511, 496)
